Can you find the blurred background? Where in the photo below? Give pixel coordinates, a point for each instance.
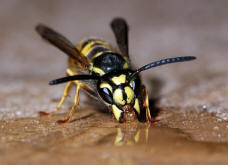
(158, 29)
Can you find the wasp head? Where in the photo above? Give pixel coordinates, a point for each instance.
(120, 94)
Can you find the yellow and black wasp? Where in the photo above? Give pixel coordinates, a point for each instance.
(113, 80)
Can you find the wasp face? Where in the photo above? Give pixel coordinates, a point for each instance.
(121, 95)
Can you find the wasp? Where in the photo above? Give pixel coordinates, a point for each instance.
(105, 73)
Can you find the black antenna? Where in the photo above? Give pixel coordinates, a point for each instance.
(162, 62)
(72, 78)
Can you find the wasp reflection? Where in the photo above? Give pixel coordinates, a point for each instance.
(130, 135)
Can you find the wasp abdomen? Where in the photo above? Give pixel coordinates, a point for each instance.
(103, 57)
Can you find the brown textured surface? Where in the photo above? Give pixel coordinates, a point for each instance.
(193, 97)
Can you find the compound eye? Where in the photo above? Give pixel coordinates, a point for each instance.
(135, 84)
(106, 95)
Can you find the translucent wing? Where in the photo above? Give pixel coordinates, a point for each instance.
(63, 44)
(120, 28)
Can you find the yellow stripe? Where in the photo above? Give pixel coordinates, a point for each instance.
(87, 48)
(100, 53)
(97, 54)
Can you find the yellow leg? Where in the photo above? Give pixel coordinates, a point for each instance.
(76, 102)
(146, 105)
(65, 94)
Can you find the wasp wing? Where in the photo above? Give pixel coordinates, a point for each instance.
(120, 29)
(63, 44)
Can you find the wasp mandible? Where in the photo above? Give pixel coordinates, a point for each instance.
(105, 73)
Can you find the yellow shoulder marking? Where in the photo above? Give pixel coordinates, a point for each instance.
(125, 66)
(98, 70)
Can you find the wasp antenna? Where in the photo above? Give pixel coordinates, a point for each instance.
(72, 78)
(162, 62)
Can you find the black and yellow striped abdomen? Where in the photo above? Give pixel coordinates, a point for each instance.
(103, 58)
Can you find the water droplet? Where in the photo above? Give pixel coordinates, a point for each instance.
(204, 107)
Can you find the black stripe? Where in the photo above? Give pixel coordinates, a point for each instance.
(124, 95)
(95, 49)
(121, 118)
(87, 42)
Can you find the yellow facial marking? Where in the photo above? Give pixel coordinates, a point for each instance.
(116, 111)
(98, 70)
(118, 97)
(119, 79)
(106, 85)
(136, 106)
(125, 66)
(130, 94)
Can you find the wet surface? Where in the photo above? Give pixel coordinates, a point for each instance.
(94, 137)
(191, 99)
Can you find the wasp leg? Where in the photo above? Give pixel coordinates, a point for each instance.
(65, 94)
(76, 102)
(87, 89)
(146, 105)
